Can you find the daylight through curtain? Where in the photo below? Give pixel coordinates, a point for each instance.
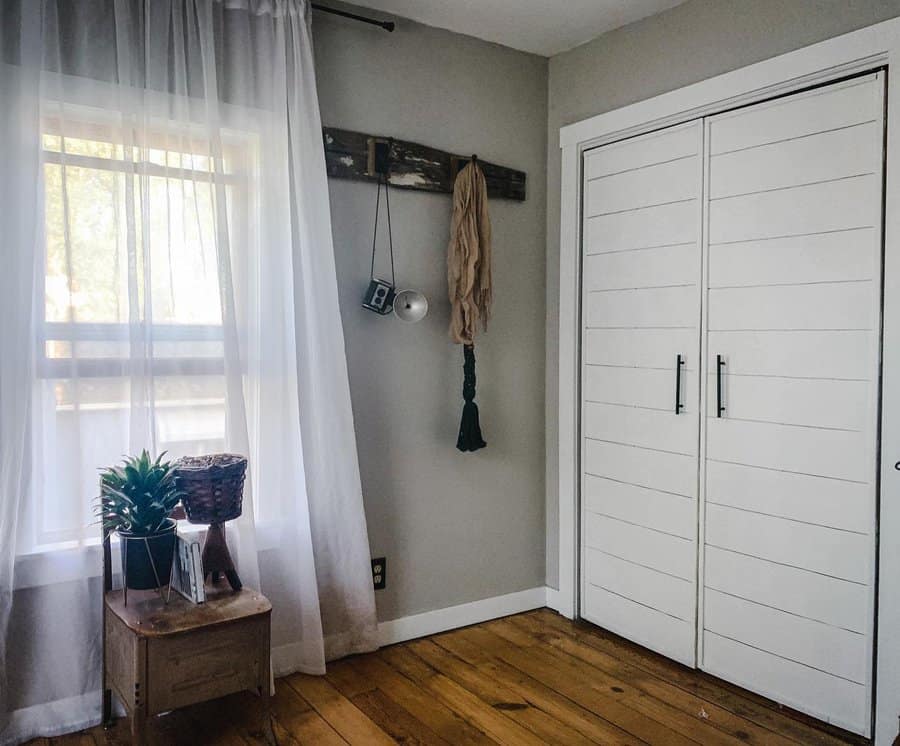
(168, 284)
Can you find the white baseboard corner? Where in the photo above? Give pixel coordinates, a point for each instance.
(553, 599)
(453, 617)
(562, 603)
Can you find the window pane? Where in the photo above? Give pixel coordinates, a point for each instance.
(100, 222)
(182, 245)
(83, 265)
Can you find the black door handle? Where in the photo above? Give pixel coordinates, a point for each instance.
(679, 361)
(720, 363)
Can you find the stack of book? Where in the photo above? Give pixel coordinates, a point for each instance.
(187, 575)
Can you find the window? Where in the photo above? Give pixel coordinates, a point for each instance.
(131, 337)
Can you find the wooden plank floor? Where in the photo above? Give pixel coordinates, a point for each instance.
(534, 678)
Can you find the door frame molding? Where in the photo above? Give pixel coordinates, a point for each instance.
(856, 52)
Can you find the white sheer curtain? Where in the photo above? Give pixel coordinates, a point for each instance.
(167, 282)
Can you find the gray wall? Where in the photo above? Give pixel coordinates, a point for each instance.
(689, 43)
(454, 527)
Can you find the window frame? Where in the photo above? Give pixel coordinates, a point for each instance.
(237, 149)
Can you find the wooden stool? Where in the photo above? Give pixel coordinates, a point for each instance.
(159, 657)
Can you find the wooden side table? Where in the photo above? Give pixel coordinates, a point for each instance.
(159, 657)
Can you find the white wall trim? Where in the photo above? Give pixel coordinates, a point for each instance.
(866, 49)
(554, 601)
(453, 617)
(834, 58)
(569, 342)
(427, 623)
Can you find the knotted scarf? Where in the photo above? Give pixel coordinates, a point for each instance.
(469, 284)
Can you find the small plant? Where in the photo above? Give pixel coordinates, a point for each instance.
(137, 497)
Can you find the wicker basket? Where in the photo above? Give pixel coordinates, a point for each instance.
(213, 486)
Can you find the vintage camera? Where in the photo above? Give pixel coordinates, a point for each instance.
(379, 296)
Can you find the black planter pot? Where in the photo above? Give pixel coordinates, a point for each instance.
(136, 560)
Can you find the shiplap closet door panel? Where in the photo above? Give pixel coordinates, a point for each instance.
(640, 310)
(793, 307)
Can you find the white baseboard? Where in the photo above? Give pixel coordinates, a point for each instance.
(553, 599)
(452, 617)
(560, 603)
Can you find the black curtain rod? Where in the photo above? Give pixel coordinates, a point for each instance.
(386, 25)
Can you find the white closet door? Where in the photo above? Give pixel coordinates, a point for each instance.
(793, 309)
(640, 313)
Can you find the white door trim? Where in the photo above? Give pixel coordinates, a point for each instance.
(858, 51)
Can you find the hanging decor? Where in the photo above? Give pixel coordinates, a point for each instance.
(351, 155)
(469, 284)
(382, 296)
(379, 295)
(410, 306)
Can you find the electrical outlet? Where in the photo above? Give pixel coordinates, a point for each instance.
(379, 573)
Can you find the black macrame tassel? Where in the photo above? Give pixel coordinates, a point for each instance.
(469, 430)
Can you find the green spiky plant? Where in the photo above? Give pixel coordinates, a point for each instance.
(137, 496)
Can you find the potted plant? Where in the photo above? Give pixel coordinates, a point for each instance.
(135, 501)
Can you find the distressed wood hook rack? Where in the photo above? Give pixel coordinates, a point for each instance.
(351, 155)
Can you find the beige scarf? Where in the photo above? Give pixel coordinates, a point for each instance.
(469, 256)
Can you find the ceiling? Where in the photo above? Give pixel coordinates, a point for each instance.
(544, 27)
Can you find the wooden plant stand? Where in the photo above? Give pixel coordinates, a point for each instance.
(159, 657)
(217, 558)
